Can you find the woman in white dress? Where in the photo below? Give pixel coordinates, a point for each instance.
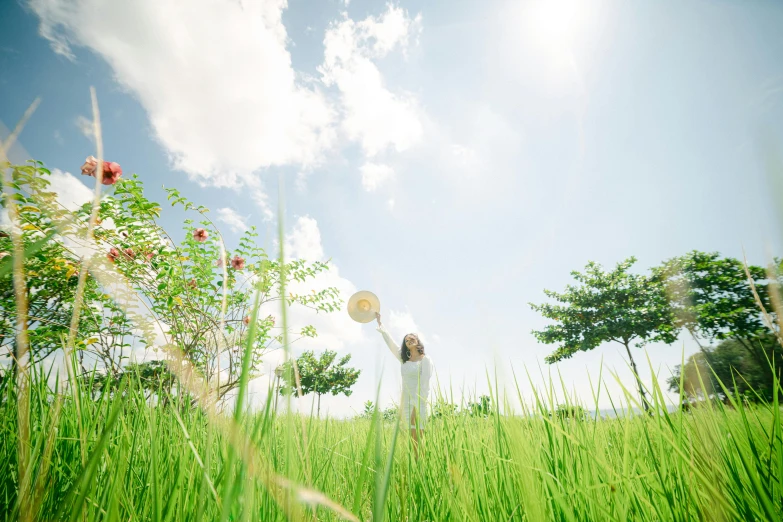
(416, 370)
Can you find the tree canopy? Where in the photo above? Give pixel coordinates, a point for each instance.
(607, 306)
(320, 375)
(147, 287)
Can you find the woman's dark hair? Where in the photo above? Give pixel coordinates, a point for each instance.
(404, 353)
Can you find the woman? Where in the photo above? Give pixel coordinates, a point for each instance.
(416, 370)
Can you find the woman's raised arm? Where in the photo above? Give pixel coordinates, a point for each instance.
(393, 347)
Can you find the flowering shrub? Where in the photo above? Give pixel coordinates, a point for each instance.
(179, 283)
(111, 170)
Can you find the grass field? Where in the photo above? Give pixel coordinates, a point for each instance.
(118, 457)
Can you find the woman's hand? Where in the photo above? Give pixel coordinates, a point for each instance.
(378, 318)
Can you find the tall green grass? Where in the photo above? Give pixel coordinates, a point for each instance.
(69, 452)
(145, 461)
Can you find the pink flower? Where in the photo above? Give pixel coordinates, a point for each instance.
(90, 166)
(150, 255)
(200, 235)
(246, 320)
(219, 262)
(237, 263)
(113, 254)
(130, 253)
(111, 171)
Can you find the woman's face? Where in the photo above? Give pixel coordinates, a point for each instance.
(411, 341)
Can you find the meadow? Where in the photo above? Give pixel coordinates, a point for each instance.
(120, 456)
(73, 448)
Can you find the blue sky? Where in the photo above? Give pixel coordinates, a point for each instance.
(456, 158)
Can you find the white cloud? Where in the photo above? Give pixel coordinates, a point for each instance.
(232, 219)
(390, 203)
(301, 180)
(260, 198)
(373, 115)
(304, 241)
(375, 175)
(215, 78)
(465, 157)
(399, 324)
(85, 126)
(71, 192)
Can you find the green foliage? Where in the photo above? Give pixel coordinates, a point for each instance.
(614, 306)
(480, 408)
(177, 283)
(570, 411)
(51, 267)
(391, 413)
(443, 408)
(605, 306)
(320, 375)
(729, 365)
(712, 299)
(154, 377)
(122, 457)
(369, 410)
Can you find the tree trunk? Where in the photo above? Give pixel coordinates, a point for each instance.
(710, 379)
(753, 353)
(698, 343)
(642, 394)
(319, 405)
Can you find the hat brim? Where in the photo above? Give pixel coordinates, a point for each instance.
(363, 305)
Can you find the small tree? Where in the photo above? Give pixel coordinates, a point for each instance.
(735, 367)
(369, 410)
(711, 298)
(481, 408)
(443, 408)
(321, 375)
(139, 269)
(183, 284)
(391, 413)
(154, 377)
(53, 246)
(609, 306)
(571, 411)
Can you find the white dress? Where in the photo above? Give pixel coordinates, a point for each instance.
(415, 384)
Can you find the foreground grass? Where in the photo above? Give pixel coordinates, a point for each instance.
(123, 459)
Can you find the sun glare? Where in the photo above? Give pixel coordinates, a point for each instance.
(555, 23)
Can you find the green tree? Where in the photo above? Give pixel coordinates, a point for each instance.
(444, 408)
(321, 375)
(51, 239)
(154, 377)
(199, 301)
(616, 306)
(570, 411)
(731, 365)
(480, 408)
(369, 410)
(391, 413)
(711, 298)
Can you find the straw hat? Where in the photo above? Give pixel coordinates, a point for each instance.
(363, 305)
